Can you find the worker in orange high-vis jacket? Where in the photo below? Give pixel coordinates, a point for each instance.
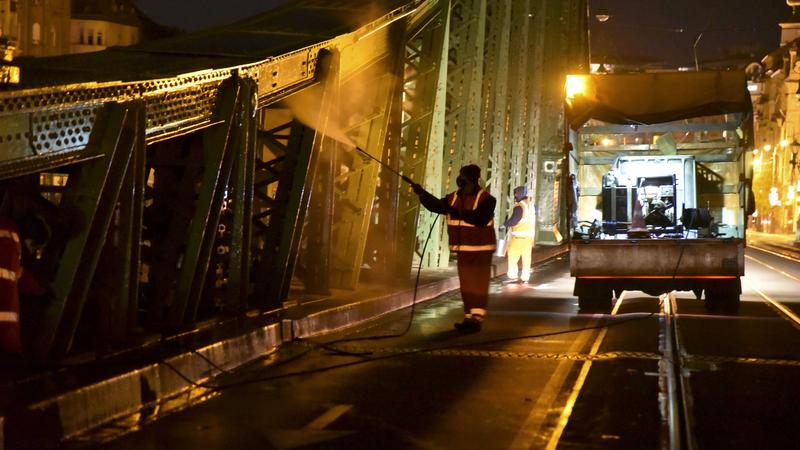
(10, 273)
(470, 230)
(522, 227)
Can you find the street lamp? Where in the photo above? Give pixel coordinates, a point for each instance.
(694, 50)
(602, 14)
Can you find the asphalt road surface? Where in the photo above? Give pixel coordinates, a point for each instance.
(655, 373)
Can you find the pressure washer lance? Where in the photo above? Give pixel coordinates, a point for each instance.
(386, 166)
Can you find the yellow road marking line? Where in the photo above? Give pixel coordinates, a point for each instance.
(786, 311)
(762, 249)
(773, 268)
(579, 382)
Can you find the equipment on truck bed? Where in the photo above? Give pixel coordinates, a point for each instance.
(662, 162)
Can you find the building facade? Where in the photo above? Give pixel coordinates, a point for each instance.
(775, 89)
(39, 27)
(99, 24)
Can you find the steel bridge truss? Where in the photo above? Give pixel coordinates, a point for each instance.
(210, 194)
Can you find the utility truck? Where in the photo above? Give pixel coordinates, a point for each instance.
(659, 184)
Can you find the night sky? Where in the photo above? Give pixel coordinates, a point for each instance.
(647, 29)
(639, 29)
(193, 15)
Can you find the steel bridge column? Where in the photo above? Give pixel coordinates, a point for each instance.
(284, 205)
(384, 235)
(466, 33)
(562, 49)
(495, 112)
(217, 163)
(421, 148)
(519, 91)
(244, 146)
(116, 282)
(93, 191)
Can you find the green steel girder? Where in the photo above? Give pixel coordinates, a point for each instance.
(481, 83)
(356, 188)
(495, 114)
(115, 289)
(460, 128)
(218, 156)
(519, 101)
(242, 195)
(381, 255)
(92, 192)
(561, 50)
(285, 210)
(421, 145)
(464, 87)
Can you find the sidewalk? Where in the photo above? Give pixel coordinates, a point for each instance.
(783, 244)
(44, 408)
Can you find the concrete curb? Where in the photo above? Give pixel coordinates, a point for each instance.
(147, 390)
(156, 388)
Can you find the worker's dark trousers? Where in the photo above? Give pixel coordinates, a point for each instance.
(474, 271)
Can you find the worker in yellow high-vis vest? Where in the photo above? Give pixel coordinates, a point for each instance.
(522, 228)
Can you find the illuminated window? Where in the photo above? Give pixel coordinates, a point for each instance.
(36, 34)
(53, 37)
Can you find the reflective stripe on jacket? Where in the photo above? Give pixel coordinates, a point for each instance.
(465, 237)
(526, 227)
(10, 272)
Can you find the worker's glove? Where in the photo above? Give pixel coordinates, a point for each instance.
(419, 190)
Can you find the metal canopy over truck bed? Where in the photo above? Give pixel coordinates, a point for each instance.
(660, 192)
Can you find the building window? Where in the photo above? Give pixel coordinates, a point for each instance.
(90, 38)
(99, 38)
(13, 7)
(36, 34)
(53, 37)
(82, 38)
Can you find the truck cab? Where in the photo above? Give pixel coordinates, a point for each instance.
(660, 185)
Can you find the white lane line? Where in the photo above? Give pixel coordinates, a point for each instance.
(788, 275)
(788, 313)
(328, 417)
(579, 382)
(762, 249)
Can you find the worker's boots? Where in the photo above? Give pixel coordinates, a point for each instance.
(468, 325)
